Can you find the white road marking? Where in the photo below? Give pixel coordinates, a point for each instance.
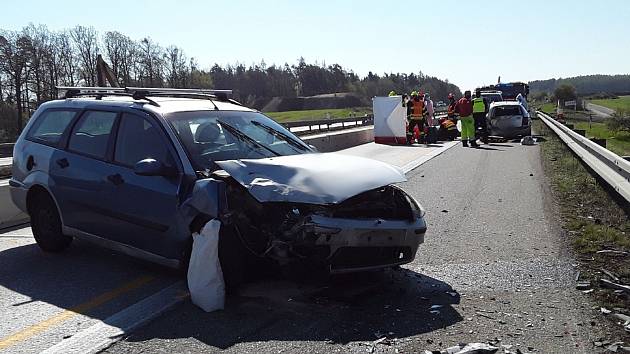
(111, 329)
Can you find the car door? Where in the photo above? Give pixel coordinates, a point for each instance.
(143, 210)
(78, 172)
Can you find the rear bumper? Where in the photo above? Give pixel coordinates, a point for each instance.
(360, 245)
(511, 132)
(18, 193)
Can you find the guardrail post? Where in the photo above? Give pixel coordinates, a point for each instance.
(599, 141)
(582, 132)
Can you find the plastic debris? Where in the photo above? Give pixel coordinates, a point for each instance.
(604, 310)
(583, 285)
(528, 140)
(205, 278)
(473, 348)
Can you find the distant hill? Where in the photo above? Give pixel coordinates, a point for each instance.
(586, 85)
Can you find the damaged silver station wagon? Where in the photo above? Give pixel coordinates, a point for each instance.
(138, 170)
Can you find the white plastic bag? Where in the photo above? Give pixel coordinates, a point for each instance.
(205, 279)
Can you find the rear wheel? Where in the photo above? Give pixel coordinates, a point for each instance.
(46, 225)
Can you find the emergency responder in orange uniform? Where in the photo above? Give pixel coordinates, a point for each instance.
(450, 110)
(415, 111)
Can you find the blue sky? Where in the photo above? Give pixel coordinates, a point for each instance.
(470, 43)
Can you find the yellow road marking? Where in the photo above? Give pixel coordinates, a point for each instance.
(77, 310)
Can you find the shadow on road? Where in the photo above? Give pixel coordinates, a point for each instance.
(360, 307)
(71, 278)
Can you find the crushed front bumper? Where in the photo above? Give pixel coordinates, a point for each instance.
(359, 244)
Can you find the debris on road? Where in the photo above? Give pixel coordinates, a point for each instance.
(528, 140)
(611, 285)
(610, 274)
(613, 252)
(470, 348)
(583, 285)
(605, 311)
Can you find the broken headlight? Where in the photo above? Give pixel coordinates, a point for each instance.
(418, 210)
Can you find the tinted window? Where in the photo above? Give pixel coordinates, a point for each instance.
(50, 126)
(507, 111)
(91, 134)
(140, 139)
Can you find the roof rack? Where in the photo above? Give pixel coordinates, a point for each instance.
(141, 93)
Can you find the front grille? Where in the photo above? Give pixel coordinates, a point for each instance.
(389, 203)
(359, 257)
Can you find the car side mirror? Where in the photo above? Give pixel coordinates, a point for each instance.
(152, 167)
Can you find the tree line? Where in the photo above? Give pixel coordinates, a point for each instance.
(586, 85)
(34, 60)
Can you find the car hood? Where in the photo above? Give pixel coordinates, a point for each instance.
(326, 178)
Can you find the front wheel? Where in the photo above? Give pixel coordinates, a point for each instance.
(46, 225)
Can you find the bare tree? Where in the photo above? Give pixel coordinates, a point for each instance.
(85, 41)
(66, 59)
(15, 49)
(151, 64)
(176, 67)
(121, 54)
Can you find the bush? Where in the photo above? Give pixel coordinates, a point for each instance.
(620, 121)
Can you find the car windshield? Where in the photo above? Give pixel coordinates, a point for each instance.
(503, 111)
(492, 97)
(210, 136)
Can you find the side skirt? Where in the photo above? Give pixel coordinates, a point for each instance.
(121, 247)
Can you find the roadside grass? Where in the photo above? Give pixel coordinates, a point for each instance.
(617, 142)
(548, 108)
(623, 102)
(591, 217)
(316, 114)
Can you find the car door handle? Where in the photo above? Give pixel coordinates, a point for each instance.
(63, 163)
(116, 179)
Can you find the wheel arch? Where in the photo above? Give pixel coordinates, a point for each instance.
(36, 190)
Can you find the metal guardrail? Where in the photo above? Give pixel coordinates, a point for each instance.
(306, 127)
(611, 167)
(6, 149)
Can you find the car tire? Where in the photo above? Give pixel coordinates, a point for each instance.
(232, 255)
(46, 225)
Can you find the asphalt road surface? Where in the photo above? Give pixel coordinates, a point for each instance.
(494, 267)
(600, 111)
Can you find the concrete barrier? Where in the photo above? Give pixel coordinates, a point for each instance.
(339, 140)
(10, 215)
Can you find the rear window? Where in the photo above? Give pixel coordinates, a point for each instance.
(507, 111)
(50, 126)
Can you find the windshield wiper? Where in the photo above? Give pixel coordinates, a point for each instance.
(282, 135)
(244, 137)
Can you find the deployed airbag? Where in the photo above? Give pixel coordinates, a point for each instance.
(205, 278)
(311, 178)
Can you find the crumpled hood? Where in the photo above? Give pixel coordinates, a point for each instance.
(311, 178)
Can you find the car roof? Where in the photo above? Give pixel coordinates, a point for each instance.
(164, 105)
(505, 103)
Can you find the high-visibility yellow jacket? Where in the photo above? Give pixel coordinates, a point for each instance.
(479, 105)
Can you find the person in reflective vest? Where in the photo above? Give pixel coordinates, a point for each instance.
(480, 110)
(416, 111)
(464, 108)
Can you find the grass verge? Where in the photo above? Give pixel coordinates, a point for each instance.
(315, 114)
(591, 217)
(617, 142)
(622, 102)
